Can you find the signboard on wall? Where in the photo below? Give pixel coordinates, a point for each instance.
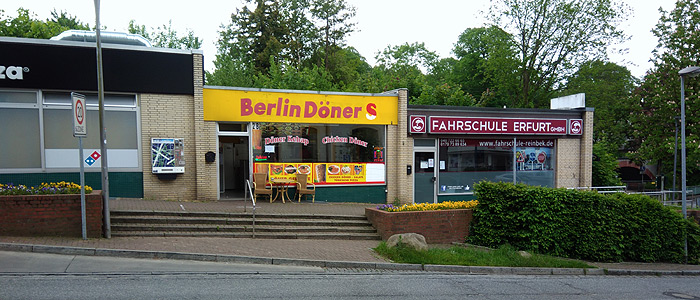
(326, 173)
(167, 156)
(259, 106)
(467, 125)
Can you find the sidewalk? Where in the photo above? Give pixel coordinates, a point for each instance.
(291, 251)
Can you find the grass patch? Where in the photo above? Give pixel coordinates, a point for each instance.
(505, 256)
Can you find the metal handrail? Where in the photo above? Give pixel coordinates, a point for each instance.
(252, 199)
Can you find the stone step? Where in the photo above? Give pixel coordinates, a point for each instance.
(120, 213)
(236, 221)
(233, 225)
(262, 235)
(228, 228)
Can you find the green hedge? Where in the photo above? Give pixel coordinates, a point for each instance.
(581, 224)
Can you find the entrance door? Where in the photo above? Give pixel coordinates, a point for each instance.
(233, 166)
(424, 177)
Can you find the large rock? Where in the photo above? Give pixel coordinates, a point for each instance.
(414, 240)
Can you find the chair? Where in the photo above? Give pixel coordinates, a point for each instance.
(303, 187)
(260, 184)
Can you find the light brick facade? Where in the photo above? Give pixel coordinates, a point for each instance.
(179, 116)
(399, 155)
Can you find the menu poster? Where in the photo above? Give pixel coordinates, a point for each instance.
(288, 170)
(346, 173)
(326, 173)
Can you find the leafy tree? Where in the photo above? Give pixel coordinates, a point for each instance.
(296, 36)
(657, 100)
(605, 165)
(28, 26)
(553, 37)
(404, 65)
(166, 37)
(486, 65)
(608, 88)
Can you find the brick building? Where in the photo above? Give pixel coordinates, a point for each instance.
(171, 137)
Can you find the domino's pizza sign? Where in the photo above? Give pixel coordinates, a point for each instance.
(90, 160)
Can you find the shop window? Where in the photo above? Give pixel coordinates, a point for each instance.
(20, 146)
(465, 162)
(346, 153)
(17, 97)
(110, 100)
(535, 162)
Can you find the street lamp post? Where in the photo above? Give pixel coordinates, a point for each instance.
(690, 72)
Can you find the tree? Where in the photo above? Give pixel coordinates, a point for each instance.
(166, 37)
(404, 65)
(296, 36)
(605, 165)
(26, 25)
(608, 88)
(657, 100)
(486, 64)
(553, 37)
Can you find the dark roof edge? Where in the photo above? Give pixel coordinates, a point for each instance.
(441, 108)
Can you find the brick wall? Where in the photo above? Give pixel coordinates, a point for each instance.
(180, 116)
(50, 215)
(399, 154)
(437, 226)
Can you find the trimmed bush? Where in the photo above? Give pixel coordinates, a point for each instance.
(581, 224)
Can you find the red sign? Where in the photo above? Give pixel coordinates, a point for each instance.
(417, 124)
(465, 125)
(576, 126)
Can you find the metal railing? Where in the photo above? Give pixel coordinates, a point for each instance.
(252, 199)
(666, 197)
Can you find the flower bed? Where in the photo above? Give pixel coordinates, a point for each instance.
(48, 212)
(437, 226)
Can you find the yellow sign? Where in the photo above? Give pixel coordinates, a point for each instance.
(279, 107)
(319, 173)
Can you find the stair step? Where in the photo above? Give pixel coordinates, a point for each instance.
(119, 213)
(263, 235)
(262, 228)
(238, 221)
(240, 225)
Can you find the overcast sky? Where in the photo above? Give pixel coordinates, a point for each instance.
(436, 23)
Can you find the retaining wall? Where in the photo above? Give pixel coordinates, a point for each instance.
(50, 215)
(437, 226)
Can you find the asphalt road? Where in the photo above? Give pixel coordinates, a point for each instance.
(50, 276)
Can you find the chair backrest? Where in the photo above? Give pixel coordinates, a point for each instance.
(301, 179)
(260, 180)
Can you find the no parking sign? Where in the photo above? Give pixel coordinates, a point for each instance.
(79, 115)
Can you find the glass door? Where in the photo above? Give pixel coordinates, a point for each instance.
(424, 177)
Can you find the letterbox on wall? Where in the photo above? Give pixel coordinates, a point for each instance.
(167, 156)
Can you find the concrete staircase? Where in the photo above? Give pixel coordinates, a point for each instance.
(240, 225)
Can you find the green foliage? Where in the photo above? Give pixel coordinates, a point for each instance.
(26, 25)
(608, 88)
(504, 256)
(605, 166)
(166, 37)
(581, 224)
(553, 37)
(657, 100)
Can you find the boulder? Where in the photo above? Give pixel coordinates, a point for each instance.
(414, 240)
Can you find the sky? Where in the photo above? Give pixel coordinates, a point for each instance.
(379, 23)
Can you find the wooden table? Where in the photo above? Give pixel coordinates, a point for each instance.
(281, 185)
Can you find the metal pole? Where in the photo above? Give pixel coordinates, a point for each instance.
(82, 186)
(683, 182)
(103, 130)
(675, 159)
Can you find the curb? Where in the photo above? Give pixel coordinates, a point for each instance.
(475, 270)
